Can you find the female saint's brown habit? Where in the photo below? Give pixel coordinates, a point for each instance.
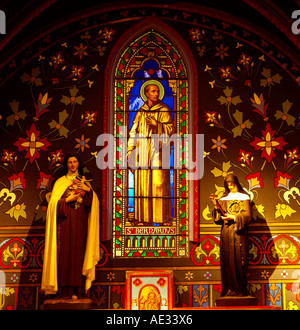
(71, 241)
(234, 243)
(72, 235)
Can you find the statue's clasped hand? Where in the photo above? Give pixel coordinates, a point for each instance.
(228, 217)
(82, 183)
(151, 121)
(72, 197)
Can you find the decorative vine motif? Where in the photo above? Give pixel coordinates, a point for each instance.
(58, 79)
(247, 92)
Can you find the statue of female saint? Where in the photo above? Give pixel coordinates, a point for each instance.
(72, 234)
(233, 212)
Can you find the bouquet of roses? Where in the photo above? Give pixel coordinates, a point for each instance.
(75, 188)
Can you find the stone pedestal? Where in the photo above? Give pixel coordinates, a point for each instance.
(69, 304)
(236, 301)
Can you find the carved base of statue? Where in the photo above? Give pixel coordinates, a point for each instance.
(229, 301)
(69, 304)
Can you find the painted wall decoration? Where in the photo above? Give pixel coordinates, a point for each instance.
(52, 102)
(48, 115)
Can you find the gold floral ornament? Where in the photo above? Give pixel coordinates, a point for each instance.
(17, 211)
(292, 306)
(197, 35)
(224, 172)
(268, 143)
(292, 156)
(14, 253)
(202, 297)
(76, 72)
(206, 213)
(245, 60)
(245, 158)
(283, 210)
(225, 73)
(73, 98)
(9, 158)
(62, 130)
(189, 275)
(106, 35)
(33, 78)
(273, 293)
(228, 99)
(7, 195)
(238, 130)
(254, 180)
(56, 158)
(101, 49)
(269, 79)
(222, 51)
(110, 276)
(10, 120)
(284, 115)
(260, 106)
(44, 182)
(32, 144)
(82, 143)
(42, 105)
(212, 118)
(285, 250)
(219, 143)
(57, 60)
(265, 274)
(89, 118)
(282, 180)
(292, 193)
(81, 50)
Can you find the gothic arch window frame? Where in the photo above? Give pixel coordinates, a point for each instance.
(108, 121)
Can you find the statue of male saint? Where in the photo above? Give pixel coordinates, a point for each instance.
(152, 203)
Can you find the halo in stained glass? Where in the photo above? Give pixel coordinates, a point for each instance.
(152, 82)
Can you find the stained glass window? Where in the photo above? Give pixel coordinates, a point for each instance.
(138, 229)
